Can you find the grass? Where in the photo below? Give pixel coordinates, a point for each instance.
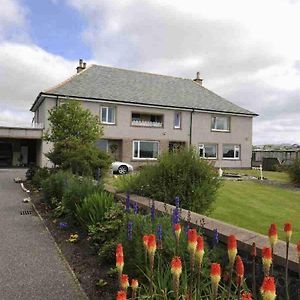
(271, 175)
(255, 206)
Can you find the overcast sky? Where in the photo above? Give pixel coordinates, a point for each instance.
(247, 51)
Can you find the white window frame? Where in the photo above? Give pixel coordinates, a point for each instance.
(177, 126)
(139, 149)
(114, 114)
(236, 148)
(215, 123)
(202, 146)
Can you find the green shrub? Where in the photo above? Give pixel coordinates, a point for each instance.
(54, 187)
(75, 191)
(178, 173)
(294, 172)
(39, 176)
(93, 208)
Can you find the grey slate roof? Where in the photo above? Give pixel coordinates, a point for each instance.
(99, 82)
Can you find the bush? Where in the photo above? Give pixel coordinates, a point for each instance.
(40, 174)
(54, 187)
(93, 208)
(294, 171)
(75, 191)
(178, 173)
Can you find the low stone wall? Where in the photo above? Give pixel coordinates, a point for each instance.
(244, 237)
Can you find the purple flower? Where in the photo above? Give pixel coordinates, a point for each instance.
(135, 208)
(175, 216)
(127, 203)
(177, 202)
(152, 212)
(63, 225)
(215, 237)
(129, 230)
(159, 232)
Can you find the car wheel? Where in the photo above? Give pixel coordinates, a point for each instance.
(122, 170)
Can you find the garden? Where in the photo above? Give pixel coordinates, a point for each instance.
(120, 250)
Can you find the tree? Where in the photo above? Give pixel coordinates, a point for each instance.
(74, 132)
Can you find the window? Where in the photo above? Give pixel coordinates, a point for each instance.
(146, 120)
(231, 152)
(177, 120)
(220, 123)
(107, 115)
(208, 151)
(145, 149)
(102, 145)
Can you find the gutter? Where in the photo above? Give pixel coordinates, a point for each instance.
(91, 99)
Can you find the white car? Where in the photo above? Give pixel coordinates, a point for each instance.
(121, 167)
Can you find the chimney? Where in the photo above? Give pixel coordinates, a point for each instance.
(198, 79)
(82, 66)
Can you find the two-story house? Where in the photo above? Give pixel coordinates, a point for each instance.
(145, 114)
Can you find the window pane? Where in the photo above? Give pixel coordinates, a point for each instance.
(177, 120)
(103, 114)
(228, 151)
(102, 144)
(111, 115)
(148, 149)
(201, 152)
(237, 151)
(211, 151)
(135, 149)
(136, 117)
(220, 123)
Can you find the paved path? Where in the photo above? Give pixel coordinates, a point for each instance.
(30, 265)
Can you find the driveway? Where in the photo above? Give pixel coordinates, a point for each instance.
(30, 265)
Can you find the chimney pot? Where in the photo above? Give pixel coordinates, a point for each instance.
(82, 66)
(80, 62)
(198, 79)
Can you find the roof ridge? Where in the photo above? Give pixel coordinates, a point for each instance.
(66, 80)
(148, 73)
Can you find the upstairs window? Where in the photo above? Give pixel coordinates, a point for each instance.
(146, 120)
(108, 115)
(208, 151)
(177, 120)
(231, 151)
(220, 123)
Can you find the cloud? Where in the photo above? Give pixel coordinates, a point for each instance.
(26, 70)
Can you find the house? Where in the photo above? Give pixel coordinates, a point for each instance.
(144, 114)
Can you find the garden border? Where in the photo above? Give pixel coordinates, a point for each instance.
(245, 237)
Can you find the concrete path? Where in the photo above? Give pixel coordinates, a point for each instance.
(30, 265)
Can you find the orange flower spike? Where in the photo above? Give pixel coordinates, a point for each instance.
(232, 248)
(121, 295)
(119, 250)
(266, 259)
(288, 228)
(215, 274)
(151, 245)
(298, 250)
(124, 282)
(134, 284)
(119, 263)
(239, 266)
(177, 229)
(192, 240)
(176, 266)
(145, 241)
(199, 250)
(246, 296)
(268, 289)
(273, 235)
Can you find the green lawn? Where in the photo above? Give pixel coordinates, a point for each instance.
(277, 176)
(255, 206)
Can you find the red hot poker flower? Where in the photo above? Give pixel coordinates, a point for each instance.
(121, 295)
(215, 273)
(145, 241)
(124, 281)
(246, 296)
(268, 289)
(266, 259)
(239, 265)
(199, 250)
(232, 248)
(176, 266)
(288, 231)
(151, 246)
(134, 284)
(119, 250)
(192, 240)
(177, 229)
(119, 263)
(273, 235)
